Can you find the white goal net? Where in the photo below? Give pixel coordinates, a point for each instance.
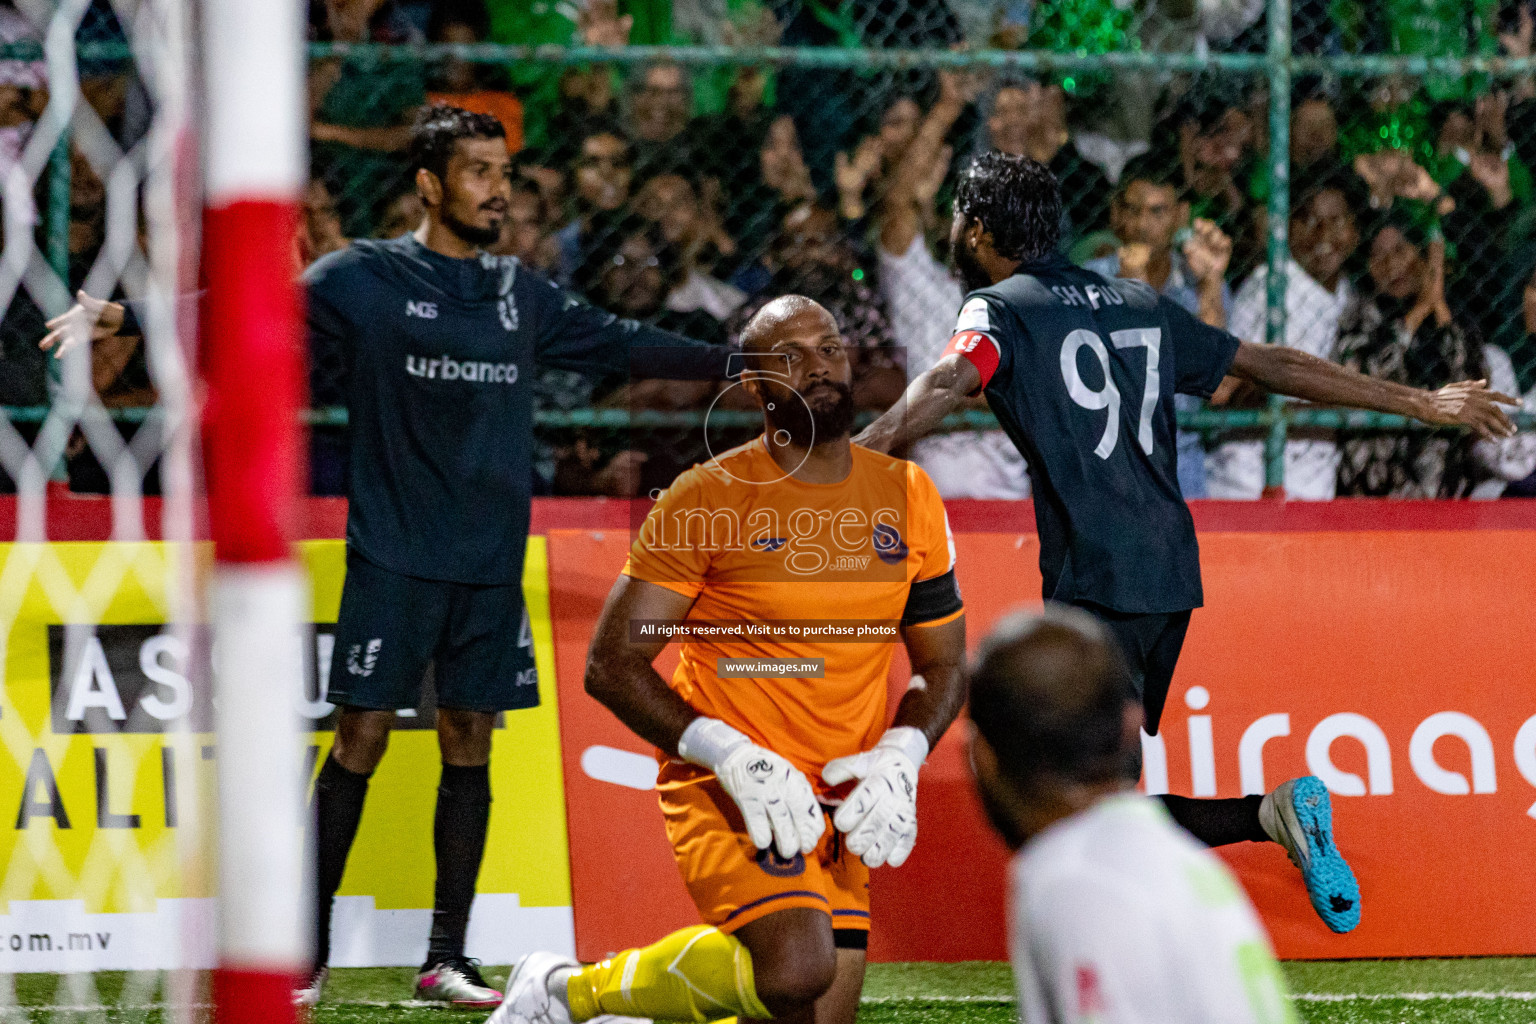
(106, 898)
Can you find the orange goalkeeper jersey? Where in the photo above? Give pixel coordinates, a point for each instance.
(783, 569)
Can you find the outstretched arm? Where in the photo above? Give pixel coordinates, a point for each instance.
(935, 394)
(1287, 371)
(581, 337)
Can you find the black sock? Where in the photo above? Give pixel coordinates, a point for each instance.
(458, 839)
(339, 796)
(1218, 822)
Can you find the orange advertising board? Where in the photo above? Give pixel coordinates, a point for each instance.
(1397, 664)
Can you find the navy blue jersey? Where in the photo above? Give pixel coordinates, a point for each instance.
(440, 355)
(1081, 371)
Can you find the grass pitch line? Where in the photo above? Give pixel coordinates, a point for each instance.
(1415, 997)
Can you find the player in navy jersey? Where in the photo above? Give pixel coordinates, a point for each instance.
(442, 343)
(1081, 371)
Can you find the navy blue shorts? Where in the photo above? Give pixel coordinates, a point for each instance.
(1151, 644)
(392, 626)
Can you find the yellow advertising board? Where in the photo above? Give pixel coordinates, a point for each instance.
(107, 776)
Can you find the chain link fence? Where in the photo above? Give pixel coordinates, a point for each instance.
(1350, 177)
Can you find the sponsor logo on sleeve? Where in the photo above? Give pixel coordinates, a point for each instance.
(973, 317)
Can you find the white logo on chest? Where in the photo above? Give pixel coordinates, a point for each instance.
(421, 310)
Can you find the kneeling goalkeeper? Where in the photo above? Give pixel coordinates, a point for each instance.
(803, 525)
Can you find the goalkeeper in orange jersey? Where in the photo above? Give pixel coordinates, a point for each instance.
(762, 553)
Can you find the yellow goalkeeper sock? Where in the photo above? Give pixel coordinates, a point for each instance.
(698, 974)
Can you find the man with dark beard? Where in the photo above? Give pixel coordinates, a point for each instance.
(1081, 371)
(789, 568)
(812, 256)
(442, 343)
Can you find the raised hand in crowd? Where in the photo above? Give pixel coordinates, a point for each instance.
(783, 163)
(919, 173)
(712, 203)
(1519, 44)
(1135, 260)
(925, 188)
(1490, 149)
(1491, 170)
(854, 174)
(1392, 174)
(1208, 251)
(1431, 298)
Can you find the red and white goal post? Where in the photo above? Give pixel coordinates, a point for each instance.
(252, 366)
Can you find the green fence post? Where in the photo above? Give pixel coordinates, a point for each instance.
(56, 230)
(56, 249)
(1279, 221)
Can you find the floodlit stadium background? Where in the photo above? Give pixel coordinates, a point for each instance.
(723, 120)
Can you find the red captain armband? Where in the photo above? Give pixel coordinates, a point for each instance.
(979, 349)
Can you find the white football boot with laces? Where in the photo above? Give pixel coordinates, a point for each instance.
(528, 1000)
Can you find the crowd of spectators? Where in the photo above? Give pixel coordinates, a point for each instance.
(688, 195)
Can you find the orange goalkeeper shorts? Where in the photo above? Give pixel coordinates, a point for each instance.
(732, 882)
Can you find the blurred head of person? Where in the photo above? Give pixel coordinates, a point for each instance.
(780, 157)
(1028, 119)
(87, 205)
(1397, 260)
(1390, 92)
(798, 369)
(1147, 211)
(463, 172)
(898, 126)
(1054, 720)
(320, 229)
(523, 234)
(810, 254)
(403, 215)
(631, 270)
(1215, 133)
(1007, 212)
(464, 22)
(603, 171)
(673, 203)
(1314, 131)
(1323, 233)
(661, 102)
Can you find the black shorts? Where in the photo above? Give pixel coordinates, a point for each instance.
(1151, 644)
(391, 626)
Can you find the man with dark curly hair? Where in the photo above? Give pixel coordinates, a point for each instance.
(1081, 371)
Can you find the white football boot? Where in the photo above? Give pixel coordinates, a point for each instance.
(309, 994)
(528, 1000)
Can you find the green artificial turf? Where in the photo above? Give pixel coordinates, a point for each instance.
(1473, 991)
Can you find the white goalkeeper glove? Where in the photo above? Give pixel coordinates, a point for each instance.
(880, 815)
(775, 798)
